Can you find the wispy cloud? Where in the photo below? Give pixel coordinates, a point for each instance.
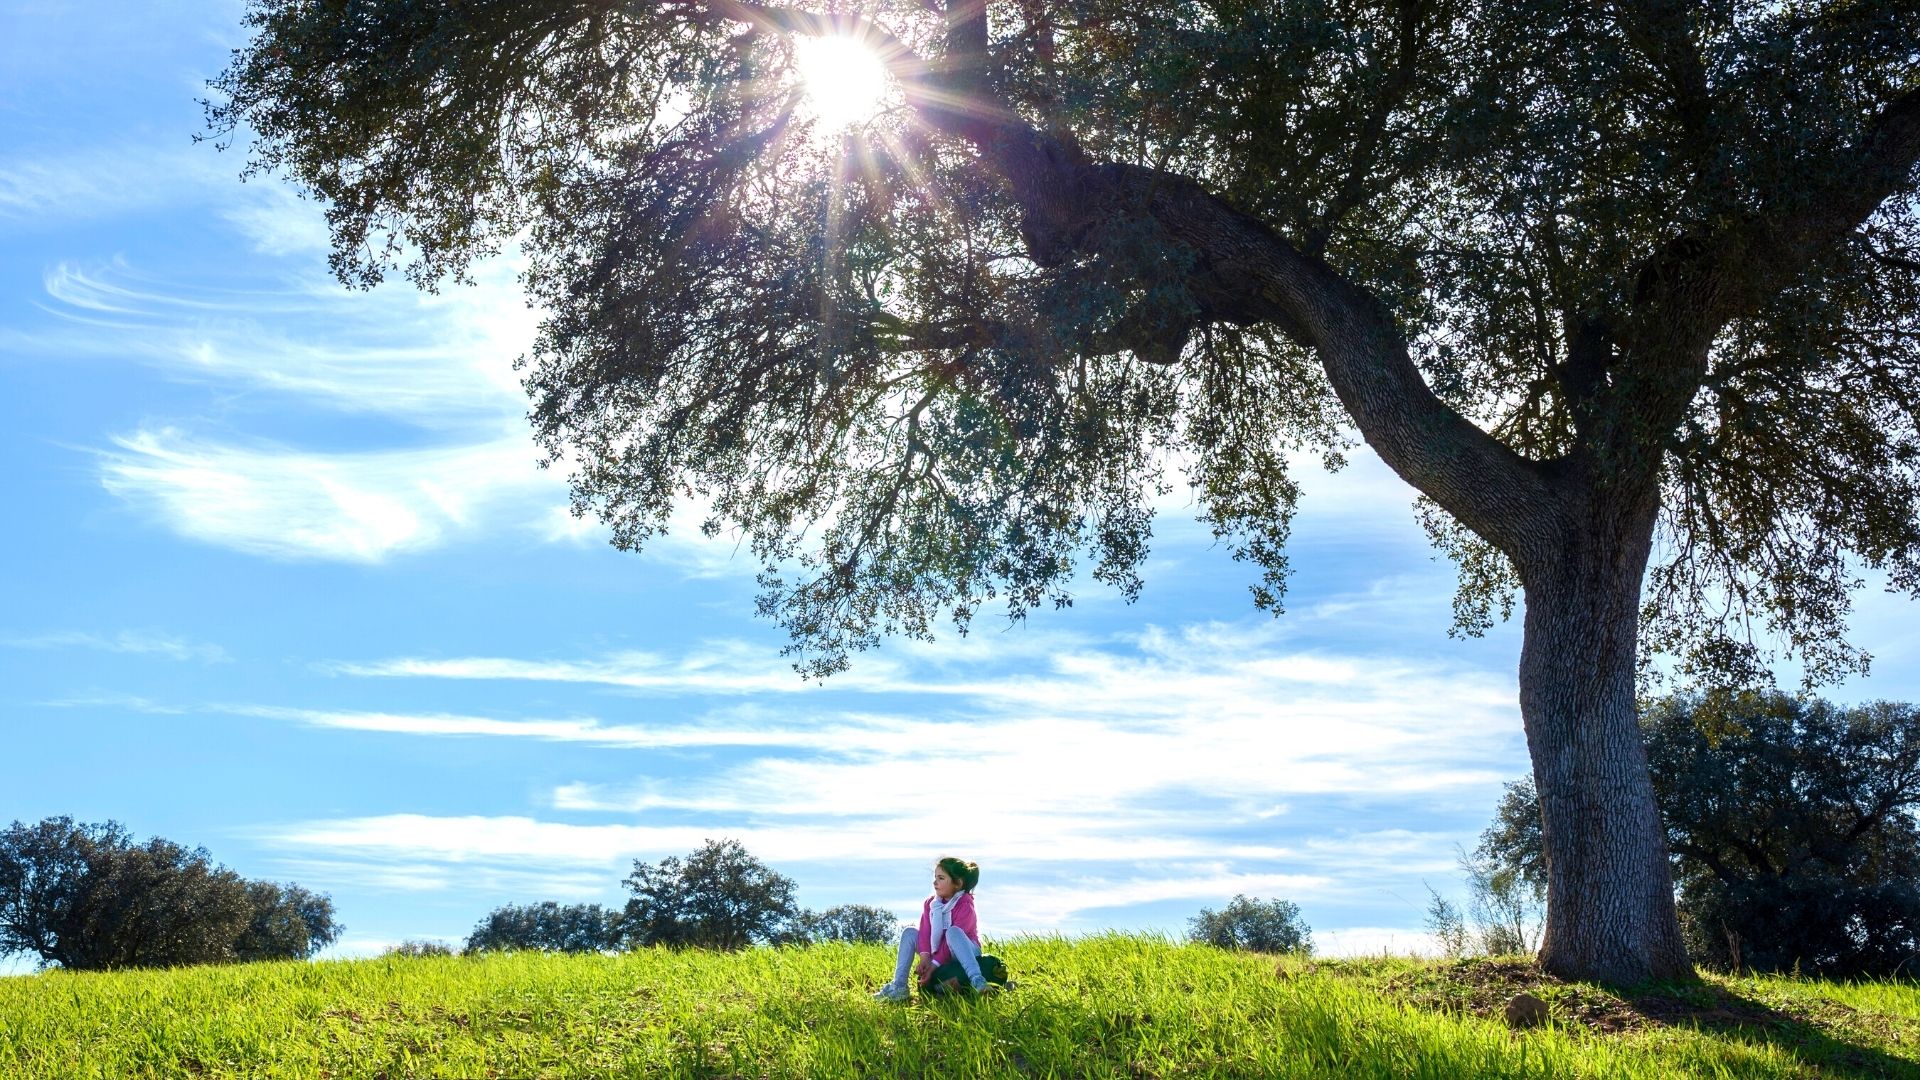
(138, 642)
(460, 461)
(106, 700)
(527, 842)
(1210, 709)
(405, 877)
(438, 361)
(1053, 905)
(868, 734)
(278, 221)
(68, 184)
(287, 503)
(441, 365)
(1213, 669)
(723, 667)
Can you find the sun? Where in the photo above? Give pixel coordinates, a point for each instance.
(845, 80)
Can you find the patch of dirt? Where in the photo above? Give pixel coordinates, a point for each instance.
(1482, 987)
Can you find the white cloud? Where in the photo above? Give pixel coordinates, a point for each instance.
(277, 221)
(1237, 681)
(139, 642)
(426, 877)
(128, 702)
(440, 364)
(1164, 766)
(526, 843)
(1052, 905)
(863, 734)
(281, 502)
(1353, 941)
(439, 361)
(51, 186)
(723, 667)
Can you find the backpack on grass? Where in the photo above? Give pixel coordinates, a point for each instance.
(951, 978)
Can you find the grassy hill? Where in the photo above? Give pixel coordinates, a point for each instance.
(1102, 1007)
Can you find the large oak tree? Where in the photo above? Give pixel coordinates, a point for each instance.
(1628, 291)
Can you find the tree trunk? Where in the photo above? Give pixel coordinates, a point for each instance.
(1610, 909)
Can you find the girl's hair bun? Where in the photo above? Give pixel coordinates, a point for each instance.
(960, 870)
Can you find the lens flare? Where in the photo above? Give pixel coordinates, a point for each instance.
(845, 82)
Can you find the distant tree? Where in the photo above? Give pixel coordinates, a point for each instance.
(719, 897)
(416, 949)
(855, 923)
(1792, 828)
(86, 897)
(1269, 926)
(548, 926)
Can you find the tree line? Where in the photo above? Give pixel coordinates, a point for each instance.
(718, 897)
(86, 897)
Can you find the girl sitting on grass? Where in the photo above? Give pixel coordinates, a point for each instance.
(949, 930)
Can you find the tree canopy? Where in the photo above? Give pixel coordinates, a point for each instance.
(858, 924)
(1253, 924)
(1629, 292)
(874, 330)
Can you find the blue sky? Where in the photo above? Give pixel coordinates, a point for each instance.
(280, 577)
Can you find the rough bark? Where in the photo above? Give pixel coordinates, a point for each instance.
(1610, 909)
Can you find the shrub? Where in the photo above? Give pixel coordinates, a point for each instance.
(412, 949)
(1448, 926)
(1270, 926)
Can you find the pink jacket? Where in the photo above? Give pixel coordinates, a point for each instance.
(965, 920)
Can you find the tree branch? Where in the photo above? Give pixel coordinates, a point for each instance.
(1659, 30)
(1739, 267)
(1367, 148)
(1700, 281)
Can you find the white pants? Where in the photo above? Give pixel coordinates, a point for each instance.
(958, 943)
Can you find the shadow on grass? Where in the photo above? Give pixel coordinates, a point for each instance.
(1834, 1038)
(1831, 1038)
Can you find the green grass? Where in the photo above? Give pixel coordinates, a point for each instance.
(1100, 1007)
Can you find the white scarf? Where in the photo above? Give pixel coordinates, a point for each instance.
(940, 916)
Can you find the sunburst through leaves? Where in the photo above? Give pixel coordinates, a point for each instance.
(844, 79)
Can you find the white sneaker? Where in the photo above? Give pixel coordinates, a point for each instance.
(892, 992)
